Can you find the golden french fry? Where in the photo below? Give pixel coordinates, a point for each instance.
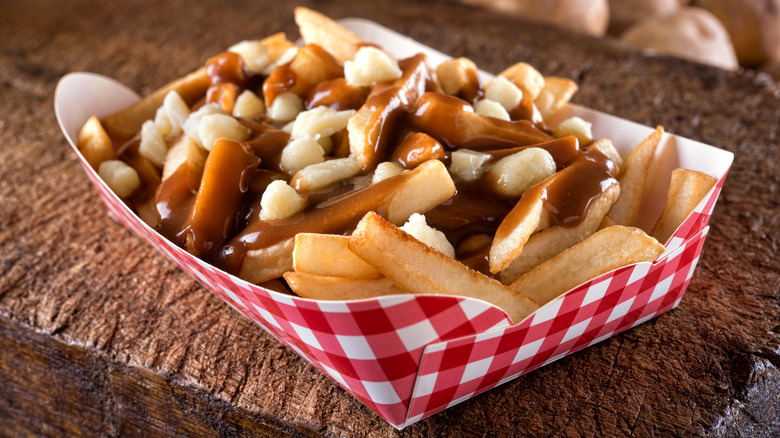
(516, 228)
(415, 191)
(318, 29)
(265, 264)
(556, 93)
(215, 206)
(329, 255)
(526, 77)
(686, 189)
(125, 124)
(417, 268)
(368, 136)
(604, 251)
(459, 77)
(320, 287)
(94, 144)
(184, 151)
(605, 146)
(546, 244)
(277, 45)
(606, 222)
(632, 180)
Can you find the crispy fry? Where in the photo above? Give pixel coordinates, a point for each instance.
(368, 137)
(320, 287)
(602, 252)
(183, 151)
(277, 45)
(546, 244)
(418, 268)
(94, 144)
(556, 93)
(605, 146)
(329, 255)
(458, 77)
(686, 189)
(265, 264)
(517, 227)
(318, 29)
(418, 190)
(632, 180)
(125, 124)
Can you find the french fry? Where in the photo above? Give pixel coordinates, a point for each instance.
(216, 203)
(632, 180)
(458, 77)
(94, 143)
(368, 136)
(418, 190)
(329, 255)
(556, 93)
(605, 146)
(417, 268)
(125, 124)
(316, 28)
(265, 264)
(546, 244)
(686, 189)
(339, 288)
(604, 251)
(516, 229)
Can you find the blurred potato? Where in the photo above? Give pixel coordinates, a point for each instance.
(690, 33)
(625, 13)
(588, 16)
(754, 27)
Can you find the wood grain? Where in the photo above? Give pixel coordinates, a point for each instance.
(101, 336)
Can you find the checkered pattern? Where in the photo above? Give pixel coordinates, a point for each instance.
(409, 357)
(456, 370)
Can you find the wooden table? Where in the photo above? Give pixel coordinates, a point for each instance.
(101, 336)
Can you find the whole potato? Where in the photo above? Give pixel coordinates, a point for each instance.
(754, 27)
(690, 33)
(589, 16)
(624, 13)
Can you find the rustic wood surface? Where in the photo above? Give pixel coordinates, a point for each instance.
(101, 336)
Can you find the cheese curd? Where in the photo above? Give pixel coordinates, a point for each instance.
(248, 106)
(370, 65)
(320, 175)
(504, 92)
(468, 164)
(385, 170)
(320, 122)
(577, 127)
(285, 107)
(280, 201)
(120, 177)
(513, 175)
(153, 145)
(491, 108)
(300, 153)
(214, 126)
(420, 230)
(254, 53)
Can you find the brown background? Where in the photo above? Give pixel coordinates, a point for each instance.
(101, 336)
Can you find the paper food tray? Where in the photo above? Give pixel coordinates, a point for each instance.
(408, 357)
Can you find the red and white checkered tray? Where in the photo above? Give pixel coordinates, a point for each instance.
(408, 357)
